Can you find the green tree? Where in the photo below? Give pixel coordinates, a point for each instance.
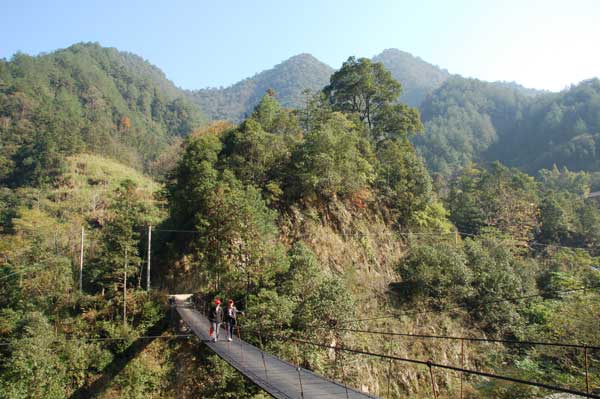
(332, 160)
(502, 198)
(272, 117)
(463, 202)
(498, 273)
(402, 180)
(238, 238)
(193, 179)
(437, 275)
(368, 90)
(256, 156)
(318, 298)
(35, 368)
(118, 253)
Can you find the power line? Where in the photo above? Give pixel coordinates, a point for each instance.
(431, 364)
(87, 339)
(177, 231)
(472, 339)
(25, 270)
(462, 233)
(410, 313)
(405, 234)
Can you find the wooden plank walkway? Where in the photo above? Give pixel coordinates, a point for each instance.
(280, 379)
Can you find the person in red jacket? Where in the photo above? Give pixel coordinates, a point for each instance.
(215, 316)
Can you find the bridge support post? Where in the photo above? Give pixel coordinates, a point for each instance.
(435, 395)
(300, 381)
(81, 260)
(149, 252)
(262, 352)
(298, 369)
(585, 362)
(264, 365)
(389, 377)
(462, 365)
(389, 373)
(343, 371)
(240, 341)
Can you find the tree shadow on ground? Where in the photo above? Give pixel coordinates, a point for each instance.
(114, 368)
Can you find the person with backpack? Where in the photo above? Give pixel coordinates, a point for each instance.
(231, 313)
(215, 316)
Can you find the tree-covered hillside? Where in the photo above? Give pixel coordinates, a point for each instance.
(288, 79)
(85, 98)
(463, 118)
(323, 224)
(468, 120)
(561, 128)
(299, 73)
(418, 78)
(326, 216)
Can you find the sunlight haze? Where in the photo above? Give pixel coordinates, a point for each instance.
(540, 44)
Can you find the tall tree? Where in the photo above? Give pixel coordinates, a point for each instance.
(119, 252)
(367, 89)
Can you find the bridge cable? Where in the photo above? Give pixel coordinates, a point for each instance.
(431, 364)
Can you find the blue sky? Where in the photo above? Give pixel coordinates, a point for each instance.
(543, 44)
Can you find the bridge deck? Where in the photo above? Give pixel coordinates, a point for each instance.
(280, 379)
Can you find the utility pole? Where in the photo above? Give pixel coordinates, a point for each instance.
(125, 291)
(81, 260)
(148, 267)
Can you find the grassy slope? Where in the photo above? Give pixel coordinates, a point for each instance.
(55, 216)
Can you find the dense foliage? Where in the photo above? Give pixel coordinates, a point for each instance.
(509, 226)
(289, 80)
(304, 72)
(463, 119)
(85, 98)
(56, 339)
(227, 180)
(467, 120)
(311, 218)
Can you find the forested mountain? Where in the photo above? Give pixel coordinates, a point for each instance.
(556, 128)
(468, 120)
(288, 79)
(85, 98)
(526, 91)
(418, 78)
(309, 219)
(463, 118)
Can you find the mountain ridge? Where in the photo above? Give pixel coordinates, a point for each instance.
(86, 98)
(305, 71)
(288, 79)
(417, 76)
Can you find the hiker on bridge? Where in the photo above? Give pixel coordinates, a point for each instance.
(231, 313)
(215, 315)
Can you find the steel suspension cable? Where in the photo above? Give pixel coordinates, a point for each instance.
(430, 364)
(471, 339)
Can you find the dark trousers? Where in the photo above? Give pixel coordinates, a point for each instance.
(231, 324)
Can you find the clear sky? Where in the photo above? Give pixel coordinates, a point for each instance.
(544, 44)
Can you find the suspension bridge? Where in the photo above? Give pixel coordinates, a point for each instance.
(284, 380)
(279, 378)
